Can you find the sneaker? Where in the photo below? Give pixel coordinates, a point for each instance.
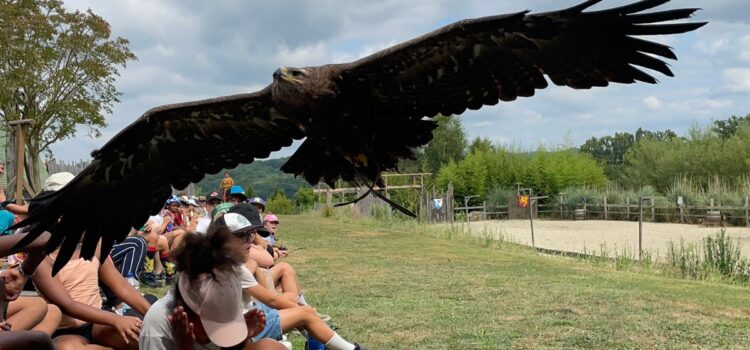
(133, 282)
(148, 279)
(359, 347)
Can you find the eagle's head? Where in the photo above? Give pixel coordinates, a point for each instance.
(290, 75)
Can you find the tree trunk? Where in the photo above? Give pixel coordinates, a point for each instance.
(32, 167)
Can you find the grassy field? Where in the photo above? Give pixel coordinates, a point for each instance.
(392, 289)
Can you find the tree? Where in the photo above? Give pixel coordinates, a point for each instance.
(57, 68)
(278, 203)
(448, 144)
(305, 198)
(726, 128)
(481, 144)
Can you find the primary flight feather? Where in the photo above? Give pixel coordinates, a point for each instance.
(359, 118)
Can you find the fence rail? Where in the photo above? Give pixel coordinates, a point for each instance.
(734, 215)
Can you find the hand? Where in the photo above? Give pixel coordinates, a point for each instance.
(182, 328)
(256, 321)
(14, 282)
(4, 326)
(129, 327)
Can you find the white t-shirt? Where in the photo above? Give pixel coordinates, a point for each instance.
(156, 332)
(248, 281)
(202, 226)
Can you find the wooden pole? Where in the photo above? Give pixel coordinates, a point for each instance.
(531, 221)
(747, 211)
(640, 227)
(605, 208)
(20, 156)
(627, 207)
(653, 209)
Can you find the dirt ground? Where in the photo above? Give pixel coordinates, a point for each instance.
(585, 236)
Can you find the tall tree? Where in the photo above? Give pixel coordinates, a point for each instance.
(481, 144)
(726, 128)
(57, 68)
(448, 143)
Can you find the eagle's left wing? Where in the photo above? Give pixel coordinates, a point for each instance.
(133, 174)
(480, 61)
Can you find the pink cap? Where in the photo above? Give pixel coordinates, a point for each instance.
(271, 217)
(218, 303)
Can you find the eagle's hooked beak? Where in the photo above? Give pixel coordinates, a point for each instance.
(283, 73)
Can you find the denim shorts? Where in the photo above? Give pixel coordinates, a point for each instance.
(273, 323)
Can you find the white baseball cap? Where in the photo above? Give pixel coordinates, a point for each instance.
(57, 181)
(218, 302)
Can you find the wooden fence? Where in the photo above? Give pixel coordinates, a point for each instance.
(683, 213)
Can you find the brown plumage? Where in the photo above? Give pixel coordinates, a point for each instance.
(358, 118)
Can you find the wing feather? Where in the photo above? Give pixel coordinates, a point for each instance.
(133, 174)
(480, 61)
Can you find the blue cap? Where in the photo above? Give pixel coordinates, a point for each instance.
(257, 200)
(237, 190)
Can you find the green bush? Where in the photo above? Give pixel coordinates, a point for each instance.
(305, 198)
(278, 203)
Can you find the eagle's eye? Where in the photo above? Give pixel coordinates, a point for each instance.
(297, 73)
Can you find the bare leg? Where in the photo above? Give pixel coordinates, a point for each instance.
(51, 320)
(305, 317)
(74, 342)
(108, 336)
(26, 312)
(178, 240)
(264, 344)
(283, 274)
(25, 340)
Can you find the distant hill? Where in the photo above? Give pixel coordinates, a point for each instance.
(263, 176)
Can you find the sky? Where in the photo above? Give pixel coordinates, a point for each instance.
(194, 49)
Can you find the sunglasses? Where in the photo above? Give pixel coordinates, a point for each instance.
(246, 236)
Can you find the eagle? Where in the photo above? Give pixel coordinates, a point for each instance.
(357, 119)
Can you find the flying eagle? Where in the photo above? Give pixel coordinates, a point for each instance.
(357, 119)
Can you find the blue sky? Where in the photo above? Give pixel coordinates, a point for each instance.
(197, 49)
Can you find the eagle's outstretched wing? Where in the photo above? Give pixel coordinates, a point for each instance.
(480, 61)
(133, 174)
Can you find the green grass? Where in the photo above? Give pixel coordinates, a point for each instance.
(395, 288)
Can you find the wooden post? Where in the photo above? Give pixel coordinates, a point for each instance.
(640, 228)
(329, 198)
(466, 208)
(627, 207)
(20, 156)
(653, 209)
(747, 211)
(605, 208)
(712, 204)
(484, 215)
(682, 213)
(561, 206)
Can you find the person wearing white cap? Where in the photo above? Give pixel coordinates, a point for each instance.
(205, 309)
(282, 314)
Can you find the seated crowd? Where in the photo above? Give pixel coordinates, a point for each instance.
(221, 256)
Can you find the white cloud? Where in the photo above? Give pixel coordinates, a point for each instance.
(737, 79)
(745, 45)
(194, 49)
(652, 102)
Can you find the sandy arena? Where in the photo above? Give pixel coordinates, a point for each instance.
(580, 236)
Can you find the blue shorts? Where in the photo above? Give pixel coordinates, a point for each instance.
(273, 323)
